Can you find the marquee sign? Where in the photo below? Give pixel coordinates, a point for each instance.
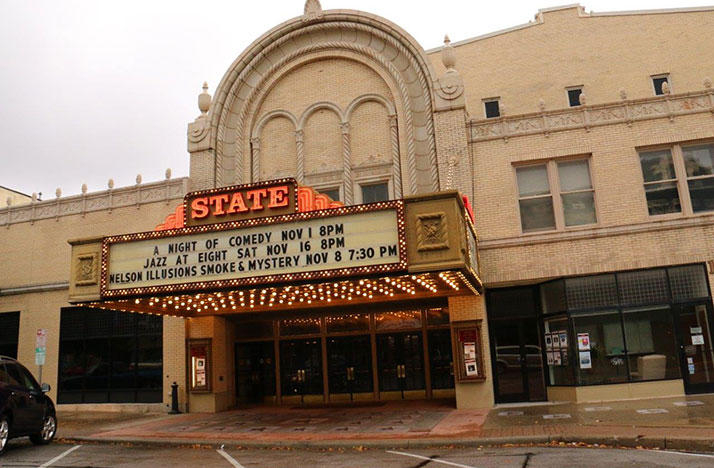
(226, 204)
(339, 242)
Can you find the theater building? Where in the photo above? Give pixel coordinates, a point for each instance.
(522, 216)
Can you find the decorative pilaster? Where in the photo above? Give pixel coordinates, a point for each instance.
(396, 161)
(300, 144)
(347, 179)
(255, 158)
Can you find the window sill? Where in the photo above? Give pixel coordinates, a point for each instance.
(593, 231)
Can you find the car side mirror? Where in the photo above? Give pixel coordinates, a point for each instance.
(45, 388)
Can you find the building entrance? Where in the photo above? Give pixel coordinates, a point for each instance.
(349, 364)
(401, 362)
(255, 371)
(354, 356)
(694, 322)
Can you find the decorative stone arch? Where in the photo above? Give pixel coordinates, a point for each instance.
(316, 107)
(395, 53)
(393, 135)
(369, 98)
(255, 138)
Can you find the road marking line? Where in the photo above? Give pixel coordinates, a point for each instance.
(652, 411)
(230, 459)
(684, 453)
(430, 459)
(59, 457)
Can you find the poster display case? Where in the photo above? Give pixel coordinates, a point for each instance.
(199, 351)
(468, 351)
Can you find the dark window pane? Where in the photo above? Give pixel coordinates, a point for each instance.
(346, 323)
(579, 208)
(537, 214)
(334, 194)
(657, 165)
(532, 180)
(553, 297)
(300, 326)
(643, 287)
(71, 366)
(698, 160)
(511, 303)
(605, 360)
(688, 282)
(253, 330)
(9, 329)
(440, 359)
(375, 193)
(651, 344)
(438, 316)
(662, 198)
(123, 363)
(591, 292)
(574, 97)
(702, 193)
(657, 83)
(492, 109)
(149, 363)
(398, 320)
(98, 364)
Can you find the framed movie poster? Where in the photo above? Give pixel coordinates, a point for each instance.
(468, 351)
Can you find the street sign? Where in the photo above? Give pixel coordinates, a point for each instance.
(41, 346)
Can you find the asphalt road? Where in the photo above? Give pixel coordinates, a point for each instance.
(22, 454)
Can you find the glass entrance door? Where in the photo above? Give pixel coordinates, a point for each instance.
(255, 371)
(349, 366)
(518, 363)
(400, 357)
(695, 338)
(301, 367)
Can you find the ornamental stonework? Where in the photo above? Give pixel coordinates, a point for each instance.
(432, 232)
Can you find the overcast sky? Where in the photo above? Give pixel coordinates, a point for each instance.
(99, 89)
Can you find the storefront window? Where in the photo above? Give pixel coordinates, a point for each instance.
(643, 287)
(604, 362)
(560, 355)
(651, 344)
(590, 292)
(688, 282)
(109, 356)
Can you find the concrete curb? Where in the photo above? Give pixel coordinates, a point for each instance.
(674, 443)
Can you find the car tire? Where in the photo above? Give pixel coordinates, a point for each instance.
(4, 433)
(49, 429)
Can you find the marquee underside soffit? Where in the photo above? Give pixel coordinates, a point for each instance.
(353, 291)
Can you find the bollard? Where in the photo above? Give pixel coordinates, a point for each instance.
(174, 399)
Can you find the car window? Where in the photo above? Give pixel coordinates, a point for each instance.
(27, 380)
(4, 377)
(14, 376)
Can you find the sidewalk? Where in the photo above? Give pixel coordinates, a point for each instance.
(685, 423)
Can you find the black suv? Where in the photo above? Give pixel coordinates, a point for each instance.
(25, 410)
